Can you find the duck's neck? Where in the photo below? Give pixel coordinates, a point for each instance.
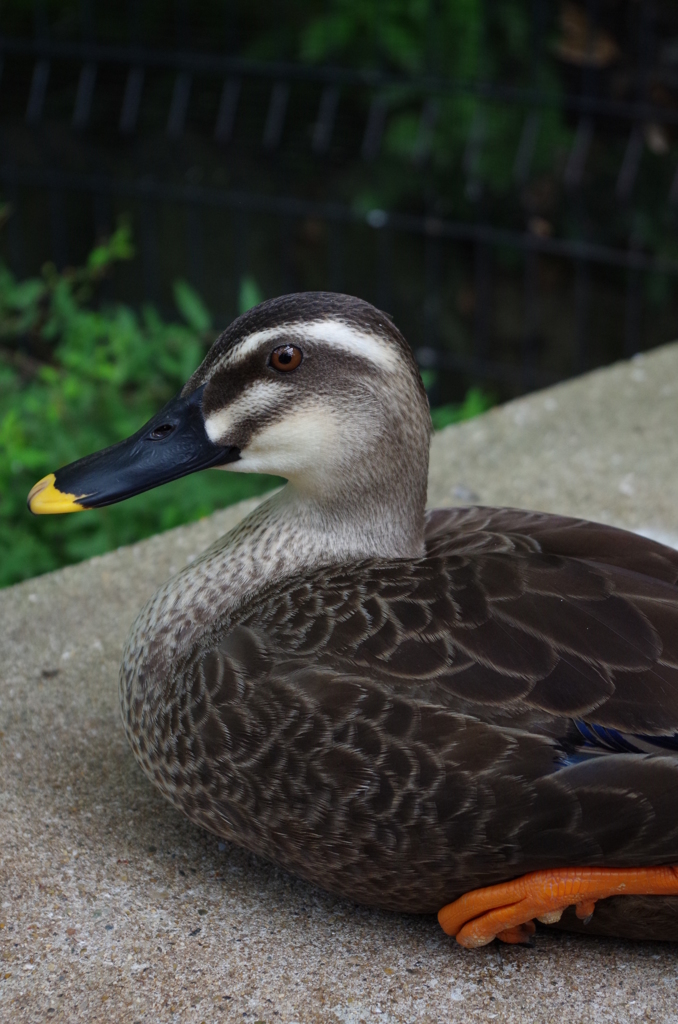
(291, 532)
(286, 534)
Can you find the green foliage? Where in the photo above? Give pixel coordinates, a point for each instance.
(476, 402)
(192, 308)
(403, 33)
(75, 378)
(469, 41)
(250, 295)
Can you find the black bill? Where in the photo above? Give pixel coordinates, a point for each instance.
(172, 444)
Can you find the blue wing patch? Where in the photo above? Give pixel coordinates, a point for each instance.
(599, 737)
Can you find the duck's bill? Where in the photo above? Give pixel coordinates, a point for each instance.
(171, 445)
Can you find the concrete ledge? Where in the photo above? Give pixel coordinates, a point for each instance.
(114, 908)
(603, 446)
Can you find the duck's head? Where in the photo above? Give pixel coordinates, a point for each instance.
(319, 388)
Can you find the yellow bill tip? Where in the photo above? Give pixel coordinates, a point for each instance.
(46, 499)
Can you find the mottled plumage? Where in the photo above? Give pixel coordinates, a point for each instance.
(401, 732)
(397, 706)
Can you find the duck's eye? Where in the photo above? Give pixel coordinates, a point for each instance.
(161, 432)
(285, 358)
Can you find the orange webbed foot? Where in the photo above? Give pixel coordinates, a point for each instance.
(507, 911)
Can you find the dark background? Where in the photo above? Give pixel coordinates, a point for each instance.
(503, 194)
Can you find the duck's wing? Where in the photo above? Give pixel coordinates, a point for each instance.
(424, 712)
(511, 617)
(476, 529)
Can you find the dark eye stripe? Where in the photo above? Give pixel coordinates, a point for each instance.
(285, 358)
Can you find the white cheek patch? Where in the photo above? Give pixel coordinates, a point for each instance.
(305, 442)
(257, 400)
(332, 334)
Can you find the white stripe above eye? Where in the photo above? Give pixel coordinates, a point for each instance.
(334, 334)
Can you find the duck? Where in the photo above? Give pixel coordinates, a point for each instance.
(469, 712)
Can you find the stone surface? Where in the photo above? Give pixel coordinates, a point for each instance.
(115, 908)
(603, 446)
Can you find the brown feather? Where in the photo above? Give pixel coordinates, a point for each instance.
(399, 733)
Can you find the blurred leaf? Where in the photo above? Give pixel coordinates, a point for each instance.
(475, 403)
(429, 378)
(191, 307)
(118, 247)
(250, 294)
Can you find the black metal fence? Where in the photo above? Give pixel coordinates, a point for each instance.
(225, 166)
